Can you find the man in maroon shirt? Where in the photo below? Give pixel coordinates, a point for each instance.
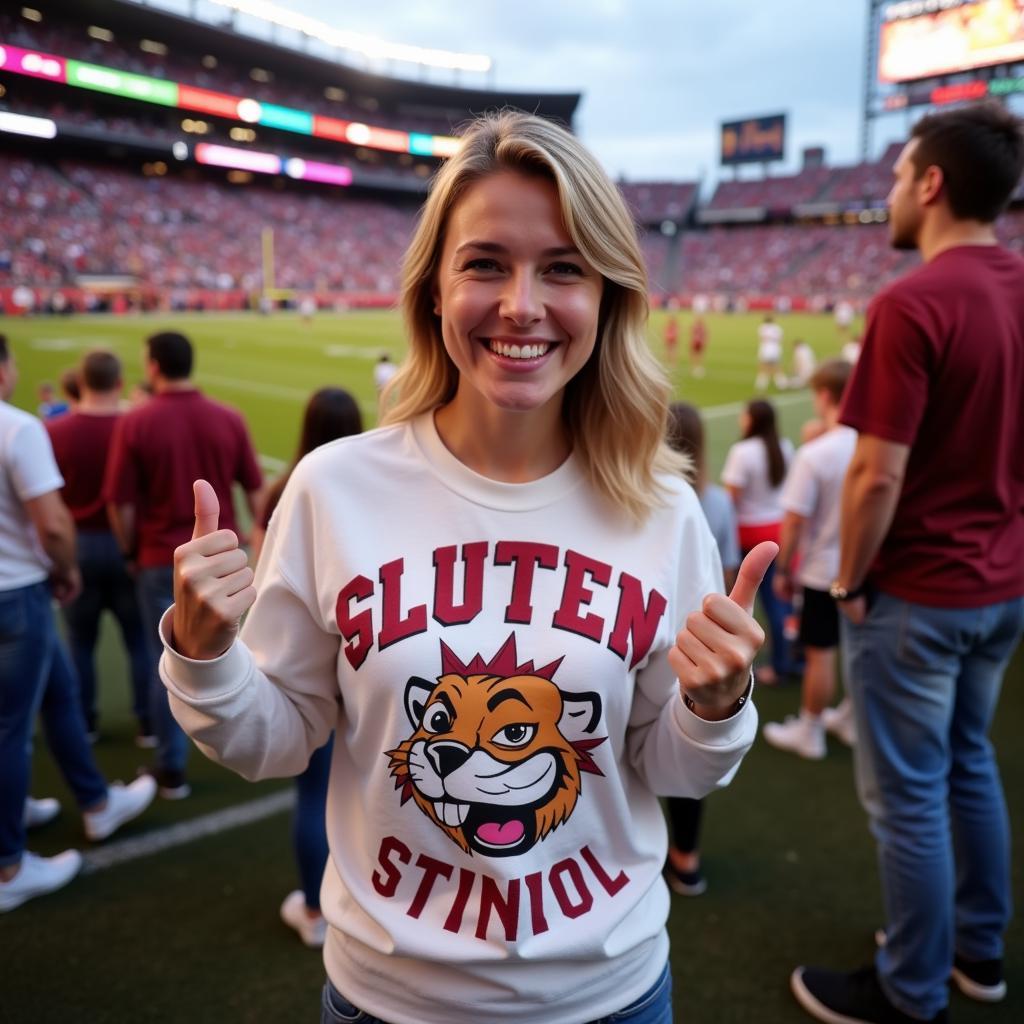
(158, 450)
(81, 443)
(931, 576)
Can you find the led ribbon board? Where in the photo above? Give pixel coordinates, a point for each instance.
(218, 104)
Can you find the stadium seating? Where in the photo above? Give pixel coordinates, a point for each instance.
(781, 193)
(655, 201)
(70, 218)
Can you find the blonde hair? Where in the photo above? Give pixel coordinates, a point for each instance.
(616, 407)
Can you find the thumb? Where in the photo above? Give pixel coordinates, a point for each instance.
(207, 509)
(752, 571)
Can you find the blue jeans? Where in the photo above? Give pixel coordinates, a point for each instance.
(309, 829)
(653, 1007)
(924, 684)
(36, 676)
(107, 585)
(156, 595)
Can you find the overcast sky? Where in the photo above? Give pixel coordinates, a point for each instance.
(657, 76)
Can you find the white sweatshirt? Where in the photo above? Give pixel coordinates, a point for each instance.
(492, 657)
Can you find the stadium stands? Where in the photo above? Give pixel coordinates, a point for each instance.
(90, 207)
(72, 219)
(775, 194)
(655, 201)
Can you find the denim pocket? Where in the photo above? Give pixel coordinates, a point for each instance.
(337, 1009)
(925, 637)
(650, 998)
(13, 615)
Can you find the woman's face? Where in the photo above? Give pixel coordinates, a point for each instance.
(744, 423)
(519, 305)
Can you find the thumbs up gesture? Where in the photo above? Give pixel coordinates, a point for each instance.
(212, 583)
(713, 653)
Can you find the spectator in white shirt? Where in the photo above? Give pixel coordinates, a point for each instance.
(755, 469)
(809, 559)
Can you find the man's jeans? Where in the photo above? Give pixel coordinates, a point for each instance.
(107, 585)
(924, 683)
(156, 595)
(36, 677)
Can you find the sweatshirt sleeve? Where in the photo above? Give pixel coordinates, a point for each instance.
(674, 751)
(272, 698)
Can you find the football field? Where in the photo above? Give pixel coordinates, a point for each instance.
(176, 918)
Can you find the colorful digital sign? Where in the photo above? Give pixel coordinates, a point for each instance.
(754, 140)
(971, 34)
(218, 104)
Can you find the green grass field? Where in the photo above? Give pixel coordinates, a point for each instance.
(192, 933)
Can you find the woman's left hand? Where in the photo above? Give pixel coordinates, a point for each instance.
(713, 653)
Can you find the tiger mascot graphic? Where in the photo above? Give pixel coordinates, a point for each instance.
(490, 760)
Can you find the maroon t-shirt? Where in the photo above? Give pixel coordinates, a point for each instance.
(942, 370)
(81, 443)
(157, 452)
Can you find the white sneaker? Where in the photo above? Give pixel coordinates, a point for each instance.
(37, 876)
(839, 721)
(798, 735)
(312, 930)
(123, 804)
(40, 812)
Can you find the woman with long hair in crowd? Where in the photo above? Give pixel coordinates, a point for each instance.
(507, 604)
(754, 472)
(686, 435)
(330, 413)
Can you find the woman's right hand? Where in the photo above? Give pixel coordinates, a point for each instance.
(212, 583)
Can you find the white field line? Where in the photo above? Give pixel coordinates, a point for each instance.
(287, 394)
(125, 850)
(713, 412)
(298, 394)
(269, 462)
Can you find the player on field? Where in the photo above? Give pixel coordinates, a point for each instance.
(769, 355)
(671, 338)
(698, 343)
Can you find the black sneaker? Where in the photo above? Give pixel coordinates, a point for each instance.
(170, 785)
(856, 997)
(685, 883)
(979, 979)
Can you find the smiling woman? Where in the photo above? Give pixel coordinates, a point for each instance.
(507, 604)
(525, 243)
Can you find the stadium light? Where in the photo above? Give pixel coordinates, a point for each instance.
(368, 46)
(186, 97)
(22, 124)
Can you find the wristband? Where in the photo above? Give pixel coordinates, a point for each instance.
(691, 704)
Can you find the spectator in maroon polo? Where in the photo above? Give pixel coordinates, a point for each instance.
(81, 444)
(158, 449)
(931, 574)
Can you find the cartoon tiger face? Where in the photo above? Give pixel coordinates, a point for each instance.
(490, 761)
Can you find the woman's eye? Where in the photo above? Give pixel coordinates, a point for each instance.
(437, 718)
(481, 264)
(516, 735)
(567, 269)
